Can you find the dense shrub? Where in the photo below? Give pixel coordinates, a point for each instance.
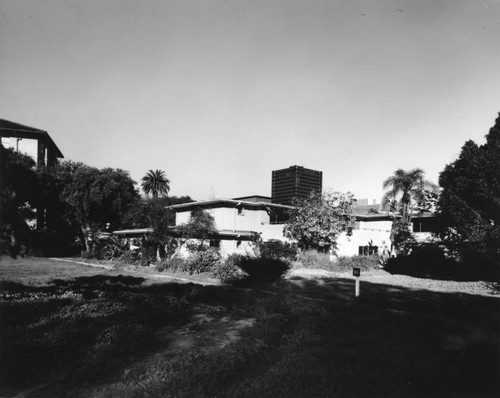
(365, 263)
(202, 261)
(107, 252)
(130, 257)
(263, 269)
(175, 264)
(278, 249)
(477, 264)
(427, 261)
(228, 268)
(314, 259)
(148, 251)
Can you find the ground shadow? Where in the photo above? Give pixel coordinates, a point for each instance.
(91, 329)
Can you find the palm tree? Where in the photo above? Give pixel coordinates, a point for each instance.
(156, 183)
(405, 189)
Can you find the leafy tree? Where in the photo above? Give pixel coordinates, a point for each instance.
(470, 200)
(154, 213)
(402, 237)
(319, 219)
(155, 183)
(201, 226)
(19, 193)
(96, 197)
(58, 229)
(406, 189)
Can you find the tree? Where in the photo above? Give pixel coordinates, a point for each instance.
(319, 219)
(19, 194)
(156, 183)
(407, 189)
(154, 213)
(201, 225)
(470, 200)
(96, 197)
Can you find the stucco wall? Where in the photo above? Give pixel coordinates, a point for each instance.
(376, 232)
(229, 219)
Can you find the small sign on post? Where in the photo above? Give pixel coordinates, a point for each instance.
(356, 272)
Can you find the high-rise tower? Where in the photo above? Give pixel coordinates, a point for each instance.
(295, 182)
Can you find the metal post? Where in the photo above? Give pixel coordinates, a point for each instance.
(356, 272)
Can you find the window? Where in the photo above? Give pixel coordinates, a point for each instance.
(424, 225)
(241, 211)
(215, 243)
(368, 250)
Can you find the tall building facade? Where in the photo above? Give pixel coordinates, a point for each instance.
(295, 182)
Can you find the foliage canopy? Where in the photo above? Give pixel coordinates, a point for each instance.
(319, 219)
(156, 183)
(407, 190)
(470, 200)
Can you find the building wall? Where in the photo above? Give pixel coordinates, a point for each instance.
(371, 232)
(376, 232)
(227, 218)
(250, 220)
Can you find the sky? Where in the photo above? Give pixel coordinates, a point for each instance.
(219, 93)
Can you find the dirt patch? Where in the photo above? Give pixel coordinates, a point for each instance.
(207, 331)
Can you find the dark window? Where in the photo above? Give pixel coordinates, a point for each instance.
(368, 250)
(241, 211)
(424, 225)
(215, 243)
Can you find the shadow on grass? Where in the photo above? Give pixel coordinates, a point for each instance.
(463, 327)
(311, 338)
(80, 328)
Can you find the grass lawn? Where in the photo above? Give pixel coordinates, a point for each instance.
(73, 330)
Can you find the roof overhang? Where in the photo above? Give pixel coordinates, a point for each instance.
(390, 217)
(135, 231)
(11, 129)
(229, 203)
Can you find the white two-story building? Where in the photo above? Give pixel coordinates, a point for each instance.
(238, 221)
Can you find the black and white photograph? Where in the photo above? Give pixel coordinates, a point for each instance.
(250, 198)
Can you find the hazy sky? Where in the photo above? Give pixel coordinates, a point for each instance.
(220, 93)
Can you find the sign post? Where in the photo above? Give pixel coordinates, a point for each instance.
(356, 272)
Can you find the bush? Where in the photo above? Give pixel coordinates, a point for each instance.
(365, 263)
(478, 264)
(148, 251)
(263, 269)
(202, 261)
(427, 261)
(130, 257)
(314, 259)
(228, 268)
(278, 249)
(176, 264)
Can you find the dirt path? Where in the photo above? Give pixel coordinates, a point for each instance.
(144, 272)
